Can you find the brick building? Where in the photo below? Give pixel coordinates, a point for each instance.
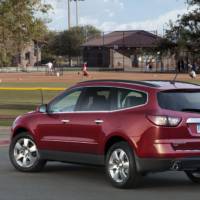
(29, 56)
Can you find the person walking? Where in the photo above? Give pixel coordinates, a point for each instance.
(147, 67)
(192, 70)
(50, 67)
(85, 72)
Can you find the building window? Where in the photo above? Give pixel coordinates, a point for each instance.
(27, 56)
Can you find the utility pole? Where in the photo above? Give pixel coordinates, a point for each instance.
(69, 14)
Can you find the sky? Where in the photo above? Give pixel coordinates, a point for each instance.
(110, 15)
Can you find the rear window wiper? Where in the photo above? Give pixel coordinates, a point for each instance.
(195, 110)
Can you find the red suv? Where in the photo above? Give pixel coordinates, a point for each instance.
(130, 127)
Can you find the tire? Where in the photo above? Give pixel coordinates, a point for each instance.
(194, 176)
(121, 167)
(24, 154)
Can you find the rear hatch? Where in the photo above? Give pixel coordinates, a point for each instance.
(183, 103)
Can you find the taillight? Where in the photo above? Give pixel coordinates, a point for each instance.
(164, 120)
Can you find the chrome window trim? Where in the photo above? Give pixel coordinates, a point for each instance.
(193, 121)
(188, 151)
(69, 141)
(109, 111)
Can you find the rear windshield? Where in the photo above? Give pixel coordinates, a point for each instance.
(185, 101)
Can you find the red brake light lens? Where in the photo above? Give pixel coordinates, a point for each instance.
(164, 120)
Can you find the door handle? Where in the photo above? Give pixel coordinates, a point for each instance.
(98, 121)
(65, 121)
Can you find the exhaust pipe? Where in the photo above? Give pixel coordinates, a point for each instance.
(176, 166)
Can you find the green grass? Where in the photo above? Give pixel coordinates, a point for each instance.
(25, 97)
(194, 81)
(14, 103)
(38, 84)
(6, 122)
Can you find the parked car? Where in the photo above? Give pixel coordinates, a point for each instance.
(132, 128)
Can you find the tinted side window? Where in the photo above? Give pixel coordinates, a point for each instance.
(95, 99)
(180, 100)
(65, 103)
(130, 98)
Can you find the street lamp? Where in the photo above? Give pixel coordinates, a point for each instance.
(77, 13)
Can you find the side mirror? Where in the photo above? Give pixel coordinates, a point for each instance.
(42, 108)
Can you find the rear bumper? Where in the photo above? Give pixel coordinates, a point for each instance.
(157, 165)
(176, 148)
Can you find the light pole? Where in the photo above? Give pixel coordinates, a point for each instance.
(69, 15)
(77, 11)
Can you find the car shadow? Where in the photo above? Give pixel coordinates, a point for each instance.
(75, 171)
(173, 181)
(165, 180)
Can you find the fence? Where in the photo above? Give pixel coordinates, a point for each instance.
(118, 50)
(17, 101)
(128, 51)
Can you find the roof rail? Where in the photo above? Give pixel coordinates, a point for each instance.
(169, 81)
(142, 83)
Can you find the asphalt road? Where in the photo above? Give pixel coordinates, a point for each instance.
(74, 182)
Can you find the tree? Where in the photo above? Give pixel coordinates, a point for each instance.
(193, 2)
(50, 46)
(68, 43)
(19, 24)
(5, 34)
(185, 32)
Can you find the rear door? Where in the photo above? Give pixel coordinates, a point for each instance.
(91, 119)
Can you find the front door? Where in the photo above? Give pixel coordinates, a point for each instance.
(56, 126)
(77, 121)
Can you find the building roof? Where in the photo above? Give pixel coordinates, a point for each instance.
(136, 39)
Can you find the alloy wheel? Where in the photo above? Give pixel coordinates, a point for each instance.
(25, 153)
(119, 166)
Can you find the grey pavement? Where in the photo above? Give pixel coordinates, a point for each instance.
(74, 182)
(4, 132)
